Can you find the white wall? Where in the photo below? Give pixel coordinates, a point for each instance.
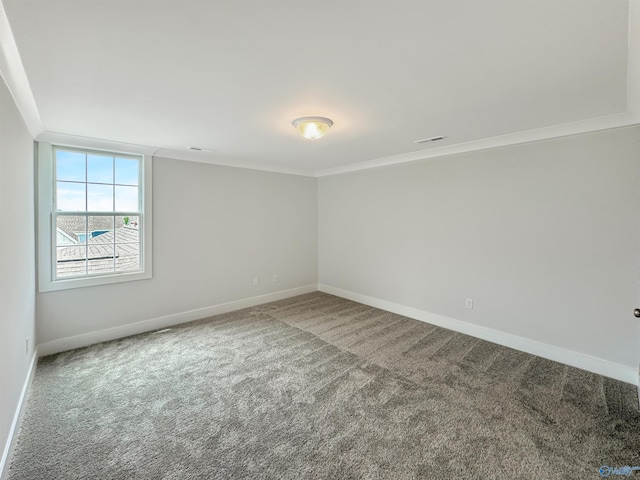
(214, 229)
(17, 269)
(544, 237)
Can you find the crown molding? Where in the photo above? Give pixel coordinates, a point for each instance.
(13, 73)
(68, 140)
(14, 76)
(575, 128)
(212, 158)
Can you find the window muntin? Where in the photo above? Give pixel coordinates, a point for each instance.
(97, 213)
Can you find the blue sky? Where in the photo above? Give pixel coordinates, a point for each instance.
(111, 182)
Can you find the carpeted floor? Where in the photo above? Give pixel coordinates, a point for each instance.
(319, 387)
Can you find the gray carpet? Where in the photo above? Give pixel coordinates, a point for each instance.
(319, 387)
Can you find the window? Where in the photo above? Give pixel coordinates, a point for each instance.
(92, 210)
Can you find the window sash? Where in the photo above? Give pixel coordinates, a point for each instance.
(86, 182)
(86, 215)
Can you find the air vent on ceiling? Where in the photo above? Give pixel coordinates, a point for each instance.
(427, 140)
(198, 149)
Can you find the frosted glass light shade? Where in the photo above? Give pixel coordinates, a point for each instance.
(312, 127)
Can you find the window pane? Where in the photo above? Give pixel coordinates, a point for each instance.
(99, 169)
(127, 229)
(100, 265)
(99, 198)
(71, 261)
(70, 166)
(126, 199)
(70, 230)
(127, 171)
(70, 197)
(127, 243)
(124, 220)
(127, 257)
(100, 245)
(99, 226)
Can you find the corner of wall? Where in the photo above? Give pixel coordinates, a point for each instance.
(5, 461)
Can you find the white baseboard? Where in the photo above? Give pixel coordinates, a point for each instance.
(85, 339)
(551, 352)
(17, 419)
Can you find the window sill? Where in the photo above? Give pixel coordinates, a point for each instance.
(66, 284)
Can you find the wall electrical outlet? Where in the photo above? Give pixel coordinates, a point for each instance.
(276, 278)
(256, 281)
(469, 303)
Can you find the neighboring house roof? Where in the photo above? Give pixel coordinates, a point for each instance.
(64, 238)
(118, 249)
(72, 225)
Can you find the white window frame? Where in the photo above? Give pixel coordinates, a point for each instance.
(46, 231)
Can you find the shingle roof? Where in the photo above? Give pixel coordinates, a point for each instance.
(117, 250)
(72, 225)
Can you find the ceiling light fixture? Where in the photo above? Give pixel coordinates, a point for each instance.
(312, 127)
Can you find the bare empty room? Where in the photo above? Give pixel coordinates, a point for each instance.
(290, 239)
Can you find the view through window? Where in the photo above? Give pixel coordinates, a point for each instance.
(98, 213)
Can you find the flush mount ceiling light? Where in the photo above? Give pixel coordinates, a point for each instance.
(312, 127)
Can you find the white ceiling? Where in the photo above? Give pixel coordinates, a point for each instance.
(230, 76)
